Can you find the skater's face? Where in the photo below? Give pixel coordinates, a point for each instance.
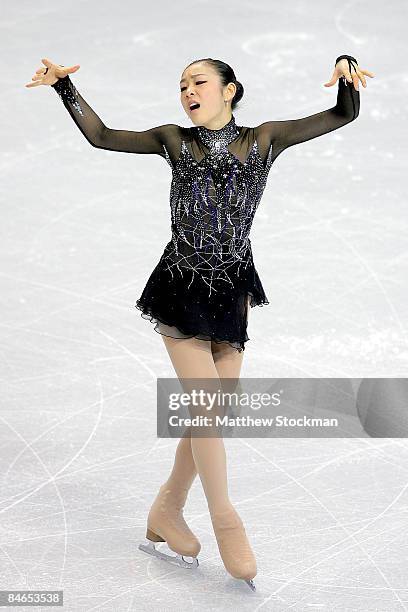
(201, 83)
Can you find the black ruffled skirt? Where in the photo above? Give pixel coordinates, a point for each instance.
(181, 305)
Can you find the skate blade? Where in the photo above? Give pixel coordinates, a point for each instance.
(251, 584)
(179, 560)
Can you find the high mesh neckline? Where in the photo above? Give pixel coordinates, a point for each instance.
(218, 139)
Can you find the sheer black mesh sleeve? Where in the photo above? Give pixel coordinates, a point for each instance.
(102, 137)
(283, 134)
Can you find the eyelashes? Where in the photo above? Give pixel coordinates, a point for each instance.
(198, 83)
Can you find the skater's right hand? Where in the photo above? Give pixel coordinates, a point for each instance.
(54, 72)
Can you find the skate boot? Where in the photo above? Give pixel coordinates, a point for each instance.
(165, 523)
(233, 545)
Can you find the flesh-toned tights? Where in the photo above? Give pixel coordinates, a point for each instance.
(193, 358)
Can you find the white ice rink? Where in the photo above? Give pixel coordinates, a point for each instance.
(82, 229)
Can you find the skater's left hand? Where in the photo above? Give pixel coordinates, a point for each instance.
(342, 69)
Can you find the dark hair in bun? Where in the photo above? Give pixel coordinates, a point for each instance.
(227, 75)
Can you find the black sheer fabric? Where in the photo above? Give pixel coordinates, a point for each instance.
(206, 280)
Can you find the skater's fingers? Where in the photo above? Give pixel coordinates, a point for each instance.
(35, 84)
(72, 69)
(47, 62)
(362, 78)
(367, 73)
(333, 80)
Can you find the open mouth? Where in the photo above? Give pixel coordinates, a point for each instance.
(194, 107)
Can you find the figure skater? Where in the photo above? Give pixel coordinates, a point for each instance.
(200, 292)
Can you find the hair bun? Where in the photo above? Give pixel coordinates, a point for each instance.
(240, 91)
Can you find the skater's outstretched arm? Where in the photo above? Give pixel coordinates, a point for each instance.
(90, 124)
(283, 134)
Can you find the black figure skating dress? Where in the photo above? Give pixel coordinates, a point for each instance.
(206, 277)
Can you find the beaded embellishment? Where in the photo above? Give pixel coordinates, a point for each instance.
(213, 203)
(67, 91)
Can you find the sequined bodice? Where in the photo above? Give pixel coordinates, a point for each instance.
(213, 202)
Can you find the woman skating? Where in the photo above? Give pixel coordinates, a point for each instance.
(201, 290)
